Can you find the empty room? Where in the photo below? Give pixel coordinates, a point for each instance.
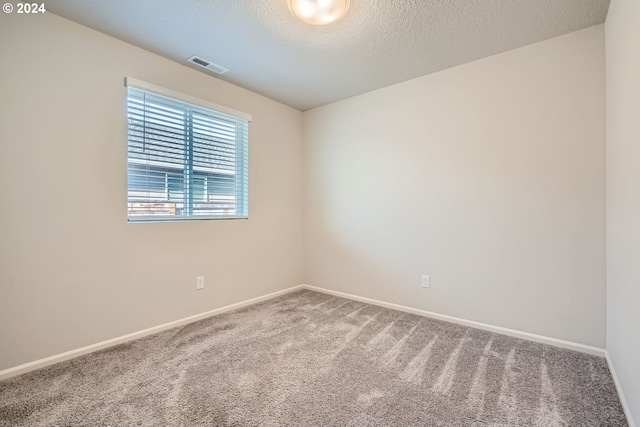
(320, 213)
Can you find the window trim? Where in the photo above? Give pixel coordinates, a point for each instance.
(139, 84)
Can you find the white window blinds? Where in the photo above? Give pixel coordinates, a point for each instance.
(184, 161)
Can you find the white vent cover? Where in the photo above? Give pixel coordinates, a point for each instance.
(207, 64)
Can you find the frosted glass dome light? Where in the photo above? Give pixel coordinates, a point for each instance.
(318, 12)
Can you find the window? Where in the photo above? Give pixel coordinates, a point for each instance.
(186, 158)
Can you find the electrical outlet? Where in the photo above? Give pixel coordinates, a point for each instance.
(425, 281)
(200, 282)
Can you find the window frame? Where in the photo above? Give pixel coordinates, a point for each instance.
(130, 82)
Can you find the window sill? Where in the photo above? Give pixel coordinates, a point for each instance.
(152, 219)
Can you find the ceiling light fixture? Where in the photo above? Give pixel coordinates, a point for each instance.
(318, 12)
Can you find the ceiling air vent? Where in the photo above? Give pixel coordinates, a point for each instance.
(207, 64)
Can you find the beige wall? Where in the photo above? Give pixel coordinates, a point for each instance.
(622, 34)
(489, 177)
(72, 271)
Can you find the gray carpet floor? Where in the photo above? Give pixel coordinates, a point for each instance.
(310, 359)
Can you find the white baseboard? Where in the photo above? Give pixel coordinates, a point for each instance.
(41, 363)
(623, 400)
(498, 329)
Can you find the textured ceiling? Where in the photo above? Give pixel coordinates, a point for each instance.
(378, 42)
